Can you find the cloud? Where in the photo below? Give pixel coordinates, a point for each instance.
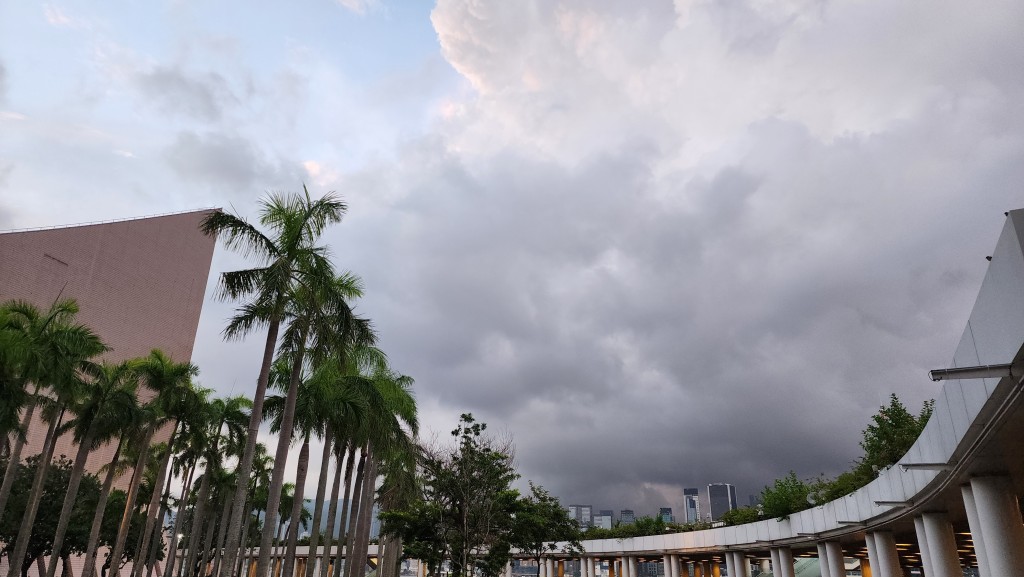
(3, 83)
(357, 6)
(671, 247)
(202, 96)
(230, 163)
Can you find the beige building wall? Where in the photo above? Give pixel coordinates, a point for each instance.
(139, 284)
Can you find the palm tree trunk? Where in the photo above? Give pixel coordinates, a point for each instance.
(15, 457)
(77, 470)
(117, 551)
(222, 534)
(154, 502)
(284, 441)
(245, 465)
(205, 554)
(361, 543)
(25, 532)
(332, 514)
(198, 513)
(173, 547)
(353, 512)
(155, 538)
(318, 506)
(297, 506)
(346, 505)
(97, 518)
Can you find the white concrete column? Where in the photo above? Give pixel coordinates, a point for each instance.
(942, 545)
(776, 564)
(730, 564)
(1000, 521)
(626, 567)
(976, 535)
(741, 564)
(674, 565)
(765, 565)
(666, 565)
(826, 571)
(786, 562)
(869, 540)
(836, 559)
(542, 568)
(888, 564)
(922, 543)
(634, 567)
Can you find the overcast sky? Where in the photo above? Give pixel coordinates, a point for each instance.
(661, 244)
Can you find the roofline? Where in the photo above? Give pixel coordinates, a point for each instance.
(114, 220)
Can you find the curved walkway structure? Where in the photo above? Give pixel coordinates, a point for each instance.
(951, 503)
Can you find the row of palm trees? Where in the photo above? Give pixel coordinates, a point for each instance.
(333, 385)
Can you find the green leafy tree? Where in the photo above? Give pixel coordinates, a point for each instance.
(542, 525)
(40, 540)
(740, 516)
(891, 433)
(468, 506)
(785, 496)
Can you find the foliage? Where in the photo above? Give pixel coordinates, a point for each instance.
(642, 527)
(887, 438)
(784, 497)
(891, 433)
(542, 525)
(77, 536)
(466, 513)
(740, 516)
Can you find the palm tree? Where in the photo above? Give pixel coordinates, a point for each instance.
(321, 398)
(227, 419)
(59, 350)
(128, 433)
(395, 407)
(288, 257)
(107, 400)
(50, 347)
(178, 400)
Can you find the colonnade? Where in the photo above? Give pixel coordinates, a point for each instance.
(993, 516)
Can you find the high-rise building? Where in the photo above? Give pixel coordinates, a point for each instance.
(665, 513)
(721, 498)
(139, 285)
(626, 516)
(582, 514)
(603, 519)
(691, 505)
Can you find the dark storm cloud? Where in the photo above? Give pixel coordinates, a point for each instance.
(200, 96)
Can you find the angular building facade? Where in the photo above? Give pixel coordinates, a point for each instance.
(139, 285)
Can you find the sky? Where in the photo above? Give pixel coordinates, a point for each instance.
(660, 244)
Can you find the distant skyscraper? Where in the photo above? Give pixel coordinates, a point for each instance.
(691, 505)
(626, 516)
(722, 498)
(666, 514)
(582, 514)
(603, 519)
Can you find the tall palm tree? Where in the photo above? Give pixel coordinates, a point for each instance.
(107, 399)
(321, 399)
(178, 400)
(51, 348)
(390, 433)
(128, 432)
(59, 362)
(287, 257)
(227, 418)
